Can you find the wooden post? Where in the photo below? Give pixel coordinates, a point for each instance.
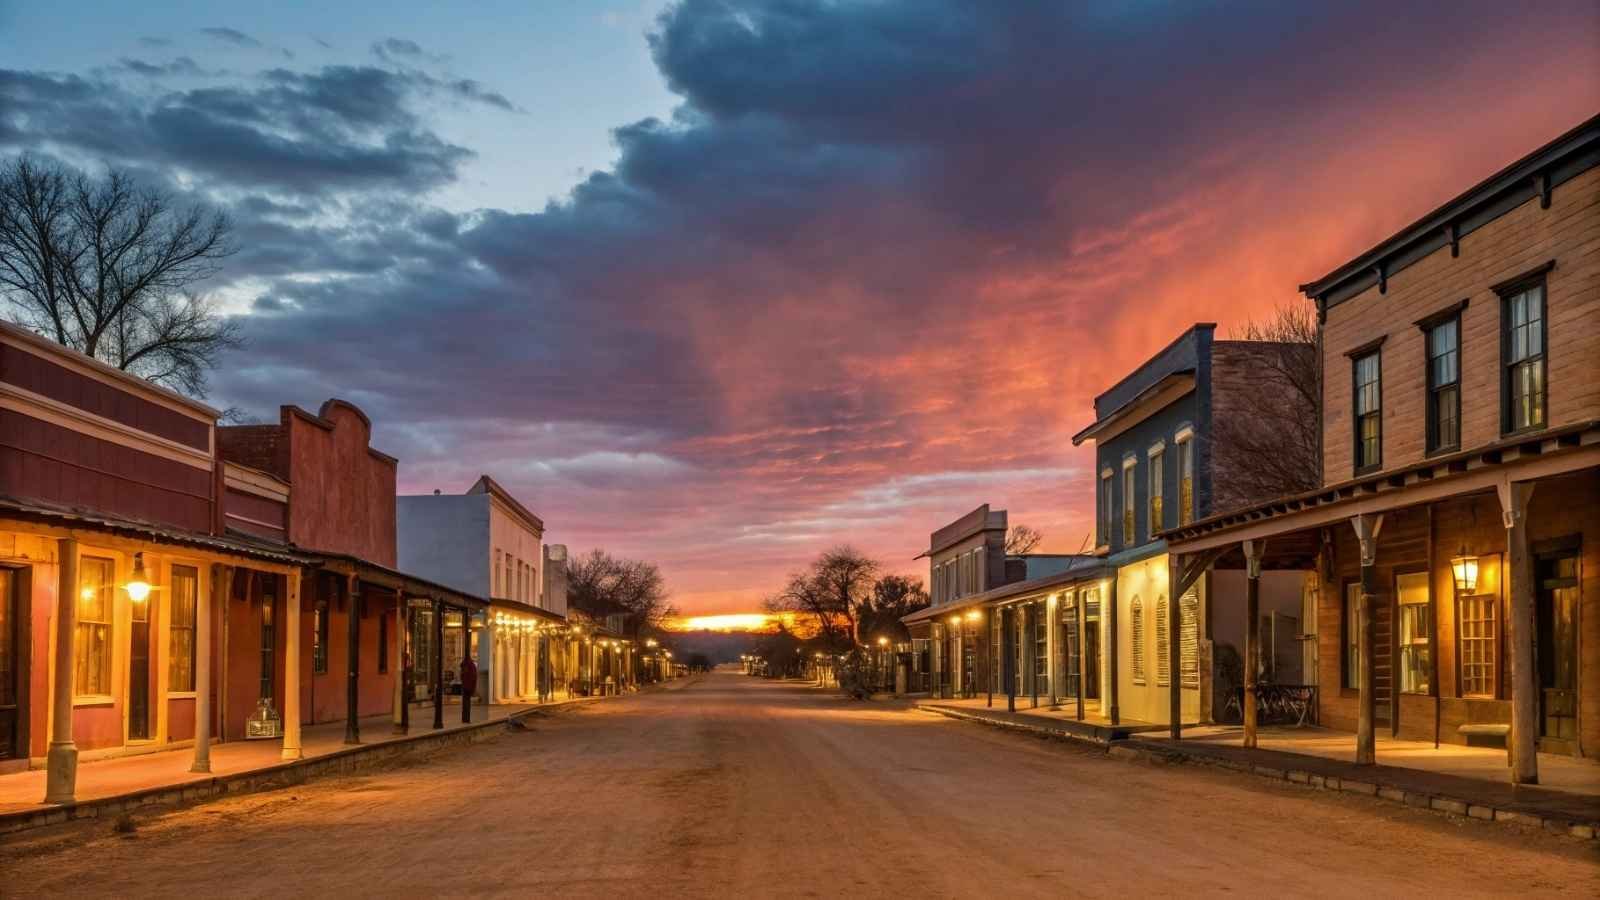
(352, 687)
(1083, 658)
(291, 669)
(1521, 634)
(202, 670)
(61, 760)
(466, 654)
(1113, 651)
(1367, 528)
(438, 663)
(1008, 655)
(402, 645)
(1175, 586)
(1252, 635)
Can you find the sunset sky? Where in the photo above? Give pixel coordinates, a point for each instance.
(719, 284)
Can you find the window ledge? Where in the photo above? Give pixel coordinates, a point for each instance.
(1442, 451)
(180, 695)
(1520, 432)
(94, 700)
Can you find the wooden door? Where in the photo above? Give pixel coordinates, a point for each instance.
(11, 682)
(139, 672)
(1557, 628)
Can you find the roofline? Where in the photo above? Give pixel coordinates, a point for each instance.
(1070, 575)
(134, 381)
(494, 489)
(1101, 424)
(65, 517)
(1518, 174)
(1157, 355)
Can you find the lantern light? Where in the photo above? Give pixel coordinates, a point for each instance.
(139, 584)
(1465, 569)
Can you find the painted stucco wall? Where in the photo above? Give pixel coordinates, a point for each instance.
(509, 535)
(1149, 702)
(445, 538)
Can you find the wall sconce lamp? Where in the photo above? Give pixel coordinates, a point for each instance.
(1465, 569)
(139, 584)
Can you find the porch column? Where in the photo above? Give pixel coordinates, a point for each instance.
(1052, 652)
(291, 668)
(466, 654)
(352, 687)
(1252, 635)
(402, 654)
(438, 663)
(220, 577)
(1008, 655)
(61, 760)
(1083, 658)
(1367, 528)
(1031, 645)
(1175, 587)
(1521, 634)
(1113, 651)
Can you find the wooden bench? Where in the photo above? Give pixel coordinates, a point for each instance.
(1485, 734)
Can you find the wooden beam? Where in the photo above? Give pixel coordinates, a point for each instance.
(1253, 551)
(1521, 635)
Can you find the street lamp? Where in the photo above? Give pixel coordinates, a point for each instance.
(139, 584)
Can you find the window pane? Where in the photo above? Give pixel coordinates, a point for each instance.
(181, 646)
(1416, 633)
(92, 637)
(1136, 633)
(1163, 644)
(1352, 633)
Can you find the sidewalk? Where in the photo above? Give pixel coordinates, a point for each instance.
(1466, 781)
(1062, 721)
(164, 776)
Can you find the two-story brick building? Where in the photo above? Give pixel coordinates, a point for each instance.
(1454, 546)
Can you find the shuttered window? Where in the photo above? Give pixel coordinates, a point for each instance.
(1189, 640)
(1163, 644)
(1136, 620)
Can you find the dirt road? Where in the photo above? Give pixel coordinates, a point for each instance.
(736, 787)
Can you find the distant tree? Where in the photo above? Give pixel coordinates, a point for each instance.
(829, 593)
(601, 584)
(109, 268)
(1022, 539)
(893, 598)
(698, 662)
(1273, 447)
(782, 651)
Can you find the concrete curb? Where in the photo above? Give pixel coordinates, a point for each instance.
(339, 762)
(1135, 751)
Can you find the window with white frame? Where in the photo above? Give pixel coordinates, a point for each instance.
(1107, 509)
(1524, 359)
(1136, 635)
(1477, 631)
(1185, 444)
(1163, 645)
(1157, 489)
(1128, 497)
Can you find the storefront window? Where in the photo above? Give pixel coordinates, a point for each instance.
(1136, 635)
(1163, 645)
(91, 651)
(1416, 633)
(1476, 631)
(181, 648)
(1041, 649)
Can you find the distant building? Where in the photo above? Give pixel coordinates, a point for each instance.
(486, 542)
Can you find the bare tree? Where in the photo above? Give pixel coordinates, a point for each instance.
(893, 598)
(1021, 539)
(109, 269)
(1273, 446)
(830, 593)
(602, 585)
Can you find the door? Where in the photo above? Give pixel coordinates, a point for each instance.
(1557, 627)
(139, 671)
(1091, 646)
(10, 667)
(269, 643)
(1070, 651)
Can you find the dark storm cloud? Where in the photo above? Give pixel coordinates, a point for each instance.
(231, 36)
(338, 128)
(183, 66)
